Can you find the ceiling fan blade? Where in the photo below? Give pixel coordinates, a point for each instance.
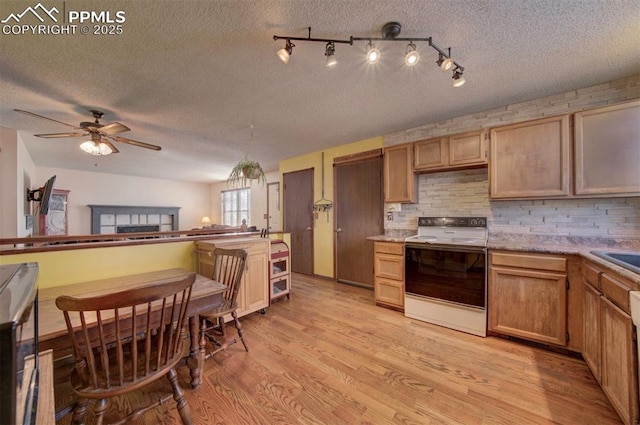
(45, 118)
(56, 135)
(136, 143)
(113, 128)
(108, 143)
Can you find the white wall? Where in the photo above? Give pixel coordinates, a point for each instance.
(258, 201)
(8, 182)
(26, 174)
(88, 188)
(17, 173)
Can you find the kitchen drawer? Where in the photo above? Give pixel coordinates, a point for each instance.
(616, 291)
(389, 248)
(389, 266)
(591, 275)
(390, 292)
(529, 261)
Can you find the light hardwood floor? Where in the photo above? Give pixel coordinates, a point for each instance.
(330, 356)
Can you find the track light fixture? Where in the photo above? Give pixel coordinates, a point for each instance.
(373, 54)
(411, 56)
(286, 51)
(458, 79)
(444, 63)
(390, 32)
(330, 53)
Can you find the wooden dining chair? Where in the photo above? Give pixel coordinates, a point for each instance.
(123, 341)
(228, 268)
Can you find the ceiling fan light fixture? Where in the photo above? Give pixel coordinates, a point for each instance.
(412, 56)
(330, 53)
(373, 54)
(96, 148)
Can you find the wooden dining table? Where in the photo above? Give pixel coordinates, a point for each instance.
(52, 330)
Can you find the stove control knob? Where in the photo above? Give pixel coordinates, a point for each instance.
(478, 222)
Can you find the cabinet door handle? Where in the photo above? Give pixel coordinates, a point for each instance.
(308, 229)
(338, 230)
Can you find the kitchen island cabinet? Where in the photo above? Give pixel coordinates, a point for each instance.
(389, 274)
(254, 291)
(609, 347)
(400, 183)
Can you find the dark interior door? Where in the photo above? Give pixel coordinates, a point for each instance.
(297, 202)
(359, 213)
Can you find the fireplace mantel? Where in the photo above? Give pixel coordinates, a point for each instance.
(107, 219)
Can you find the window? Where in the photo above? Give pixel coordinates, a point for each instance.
(235, 206)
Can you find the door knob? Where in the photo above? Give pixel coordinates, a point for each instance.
(338, 230)
(308, 229)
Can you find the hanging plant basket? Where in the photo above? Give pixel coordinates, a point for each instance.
(252, 173)
(244, 171)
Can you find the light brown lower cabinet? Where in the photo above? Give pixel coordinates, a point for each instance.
(389, 274)
(609, 343)
(528, 296)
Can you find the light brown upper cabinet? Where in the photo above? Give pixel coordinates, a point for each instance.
(607, 149)
(467, 150)
(400, 183)
(531, 159)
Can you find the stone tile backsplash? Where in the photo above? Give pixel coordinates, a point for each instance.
(466, 193)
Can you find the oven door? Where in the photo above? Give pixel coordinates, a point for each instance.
(449, 273)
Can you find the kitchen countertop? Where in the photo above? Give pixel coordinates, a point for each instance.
(549, 244)
(387, 238)
(570, 245)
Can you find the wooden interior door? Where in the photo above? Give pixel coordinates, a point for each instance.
(358, 214)
(297, 202)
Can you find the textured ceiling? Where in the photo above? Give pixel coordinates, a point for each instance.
(193, 76)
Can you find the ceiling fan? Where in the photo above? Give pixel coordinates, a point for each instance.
(100, 134)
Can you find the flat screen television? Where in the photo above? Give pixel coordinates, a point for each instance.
(18, 343)
(42, 195)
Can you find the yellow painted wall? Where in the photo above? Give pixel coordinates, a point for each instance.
(285, 237)
(65, 267)
(323, 234)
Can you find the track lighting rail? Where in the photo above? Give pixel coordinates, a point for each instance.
(390, 32)
(308, 38)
